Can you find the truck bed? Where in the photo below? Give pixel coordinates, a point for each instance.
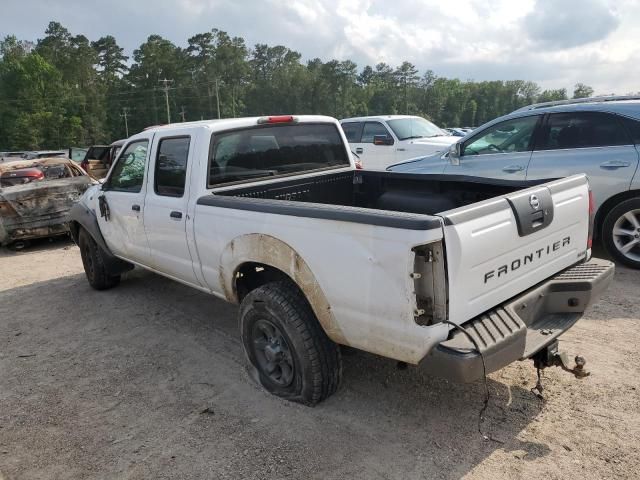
(387, 191)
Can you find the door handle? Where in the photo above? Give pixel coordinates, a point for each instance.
(401, 149)
(513, 168)
(613, 164)
(135, 208)
(176, 215)
(359, 150)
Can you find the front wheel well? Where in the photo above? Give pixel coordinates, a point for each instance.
(74, 230)
(608, 205)
(252, 275)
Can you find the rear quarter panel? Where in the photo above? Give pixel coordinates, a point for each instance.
(363, 270)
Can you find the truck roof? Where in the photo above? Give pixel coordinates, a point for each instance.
(230, 123)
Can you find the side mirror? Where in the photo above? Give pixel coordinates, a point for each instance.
(382, 140)
(455, 151)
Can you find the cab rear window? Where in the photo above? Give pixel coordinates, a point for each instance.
(275, 150)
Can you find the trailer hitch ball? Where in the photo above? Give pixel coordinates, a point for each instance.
(579, 370)
(552, 357)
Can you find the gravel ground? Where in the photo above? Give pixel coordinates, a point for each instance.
(147, 381)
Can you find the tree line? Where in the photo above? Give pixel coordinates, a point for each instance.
(64, 89)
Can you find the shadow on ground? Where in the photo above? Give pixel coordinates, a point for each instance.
(113, 384)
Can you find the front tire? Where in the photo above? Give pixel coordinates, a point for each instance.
(92, 255)
(288, 351)
(621, 232)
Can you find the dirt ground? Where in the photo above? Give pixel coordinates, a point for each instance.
(147, 381)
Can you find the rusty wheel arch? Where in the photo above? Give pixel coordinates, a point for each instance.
(252, 260)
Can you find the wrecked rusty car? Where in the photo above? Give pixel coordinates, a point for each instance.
(35, 197)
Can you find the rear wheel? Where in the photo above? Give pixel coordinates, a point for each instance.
(621, 232)
(288, 351)
(92, 255)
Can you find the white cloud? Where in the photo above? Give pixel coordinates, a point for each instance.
(554, 42)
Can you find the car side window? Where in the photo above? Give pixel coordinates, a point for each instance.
(128, 173)
(352, 131)
(372, 129)
(510, 136)
(582, 130)
(171, 166)
(633, 128)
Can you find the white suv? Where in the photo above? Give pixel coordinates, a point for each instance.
(381, 141)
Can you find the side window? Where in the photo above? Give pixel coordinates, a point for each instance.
(371, 129)
(633, 128)
(128, 173)
(171, 166)
(352, 131)
(505, 137)
(582, 130)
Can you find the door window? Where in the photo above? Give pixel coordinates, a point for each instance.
(582, 130)
(505, 137)
(128, 173)
(633, 128)
(171, 166)
(352, 131)
(371, 129)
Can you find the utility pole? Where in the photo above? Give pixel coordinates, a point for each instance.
(217, 97)
(124, 114)
(166, 88)
(182, 113)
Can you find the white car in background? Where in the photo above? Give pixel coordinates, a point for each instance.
(380, 141)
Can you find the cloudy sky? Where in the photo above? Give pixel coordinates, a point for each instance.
(553, 42)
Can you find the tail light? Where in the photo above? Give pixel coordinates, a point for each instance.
(278, 119)
(592, 214)
(21, 176)
(359, 164)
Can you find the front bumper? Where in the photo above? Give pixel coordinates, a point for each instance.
(522, 326)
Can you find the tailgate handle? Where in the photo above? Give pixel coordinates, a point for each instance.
(359, 150)
(533, 210)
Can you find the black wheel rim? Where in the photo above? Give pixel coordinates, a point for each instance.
(272, 353)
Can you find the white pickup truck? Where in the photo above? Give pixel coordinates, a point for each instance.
(383, 140)
(458, 275)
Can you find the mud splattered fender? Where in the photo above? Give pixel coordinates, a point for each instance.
(268, 250)
(81, 216)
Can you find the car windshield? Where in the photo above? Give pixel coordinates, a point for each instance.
(414, 127)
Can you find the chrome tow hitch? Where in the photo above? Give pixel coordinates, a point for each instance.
(550, 356)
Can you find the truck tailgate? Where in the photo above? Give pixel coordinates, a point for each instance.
(498, 248)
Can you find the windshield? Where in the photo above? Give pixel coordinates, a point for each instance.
(268, 151)
(414, 127)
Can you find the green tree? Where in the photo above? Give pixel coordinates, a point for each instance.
(582, 91)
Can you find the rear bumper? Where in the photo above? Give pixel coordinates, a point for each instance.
(522, 326)
(13, 230)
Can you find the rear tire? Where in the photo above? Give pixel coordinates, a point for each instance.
(621, 232)
(92, 255)
(288, 351)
